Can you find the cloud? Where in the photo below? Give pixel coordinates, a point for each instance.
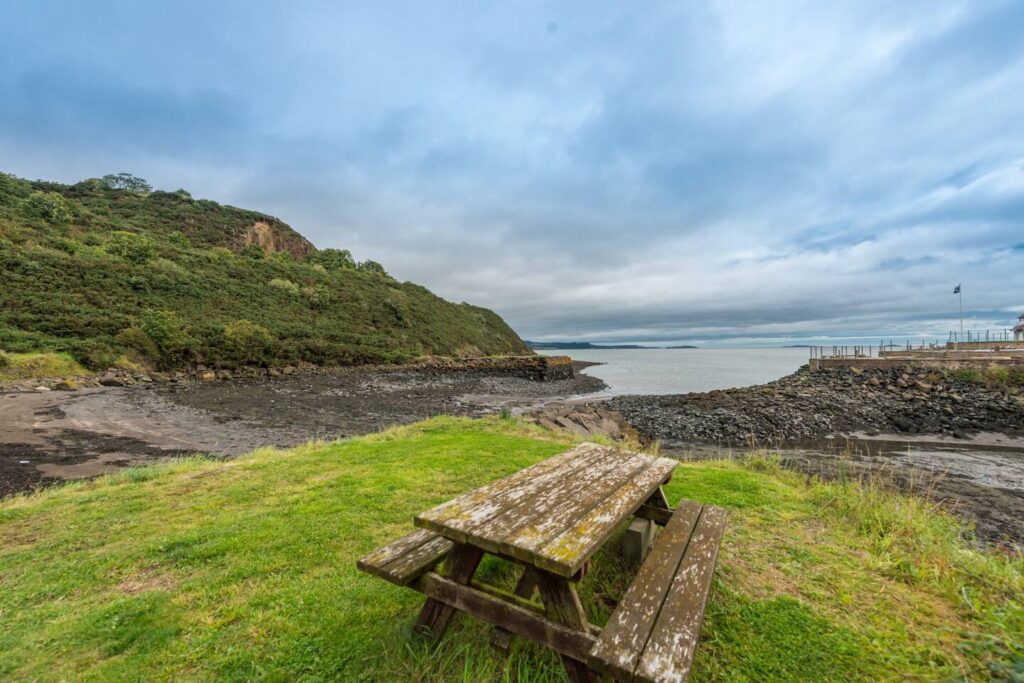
(673, 171)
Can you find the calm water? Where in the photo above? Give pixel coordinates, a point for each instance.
(678, 371)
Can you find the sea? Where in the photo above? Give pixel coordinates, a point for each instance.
(679, 371)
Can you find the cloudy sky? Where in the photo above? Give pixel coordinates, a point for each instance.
(719, 172)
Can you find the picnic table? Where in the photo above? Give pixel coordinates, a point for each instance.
(550, 519)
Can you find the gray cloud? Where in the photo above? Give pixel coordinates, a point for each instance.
(699, 171)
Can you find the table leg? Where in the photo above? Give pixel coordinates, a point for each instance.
(527, 584)
(562, 605)
(461, 565)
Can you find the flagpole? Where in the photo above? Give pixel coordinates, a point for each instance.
(960, 291)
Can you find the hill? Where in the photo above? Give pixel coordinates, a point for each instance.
(235, 570)
(109, 271)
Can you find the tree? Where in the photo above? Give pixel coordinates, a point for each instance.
(332, 259)
(372, 267)
(126, 181)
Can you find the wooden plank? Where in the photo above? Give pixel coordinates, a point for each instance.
(567, 552)
(408, 567)
(669, 652)
(392, 551)
(626, 634)
(525, 588)
(562, 605)
(655, 514)
(659, 500)
(518, 620)
(461, 565)
(480, 505)
(539, 520)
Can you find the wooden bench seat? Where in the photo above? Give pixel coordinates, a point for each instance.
(408, 558)
(652, 634)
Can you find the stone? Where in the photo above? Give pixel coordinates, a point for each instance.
(66, 385)
(41, 388)
(110, 381)
(206, 376)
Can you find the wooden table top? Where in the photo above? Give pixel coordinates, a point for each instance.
(553, 515)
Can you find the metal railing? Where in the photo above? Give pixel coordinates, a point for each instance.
(982, 336)
(872, 351)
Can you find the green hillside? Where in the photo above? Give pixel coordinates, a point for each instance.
(108, 270)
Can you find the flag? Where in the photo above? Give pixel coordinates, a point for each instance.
(956, 290)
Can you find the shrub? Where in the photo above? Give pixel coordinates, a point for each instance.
(168, 333)
(5, 360)
(65, 244)
(179, 239)
(253, 251)
(285, 285)
(49, 206)
(140, 342)
(131, 247)
(318, 296)
(247, 342)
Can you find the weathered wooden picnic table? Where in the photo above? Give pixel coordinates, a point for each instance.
(550, 519)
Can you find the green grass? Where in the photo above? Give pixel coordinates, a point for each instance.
(993, 377)
(245, 570)
(39, 365)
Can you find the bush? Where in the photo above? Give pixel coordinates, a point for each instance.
(246, 342)
(49, 206)
(131, 247)
(140, 342)
(5, 360)
(317, 296)
(179, 239)
(285, 285)
(253, 251)
(169, 335)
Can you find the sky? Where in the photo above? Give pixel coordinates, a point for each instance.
(709, 172)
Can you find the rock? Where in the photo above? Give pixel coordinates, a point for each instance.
(109, 381)
(223, 374)
(41, 388)
(288, 370)
(66, 385)
(160, 377)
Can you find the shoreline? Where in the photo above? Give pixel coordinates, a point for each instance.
(53, 436)
(50, 436)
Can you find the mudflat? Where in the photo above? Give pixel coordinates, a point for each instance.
(57, 435)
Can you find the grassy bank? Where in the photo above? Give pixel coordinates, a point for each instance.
(38, 365)
(993, 377)
(200, 570)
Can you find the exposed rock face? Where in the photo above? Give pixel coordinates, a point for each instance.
(274, 237)
(816, 404)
